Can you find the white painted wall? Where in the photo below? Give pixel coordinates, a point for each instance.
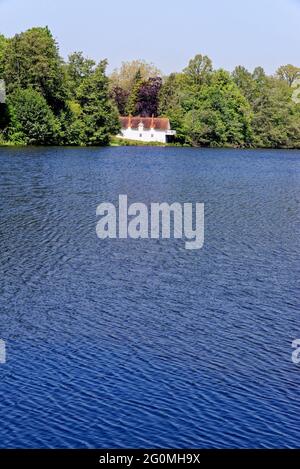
(144, 135)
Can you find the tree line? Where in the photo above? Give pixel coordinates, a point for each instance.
(55, 102)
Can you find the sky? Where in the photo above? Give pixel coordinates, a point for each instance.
(166, 32)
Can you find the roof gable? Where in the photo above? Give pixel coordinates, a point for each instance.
(156, 123)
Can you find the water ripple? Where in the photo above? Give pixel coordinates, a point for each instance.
(141, 343)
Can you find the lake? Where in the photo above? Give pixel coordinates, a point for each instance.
(142, 343)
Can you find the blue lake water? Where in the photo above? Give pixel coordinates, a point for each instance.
(142, 343)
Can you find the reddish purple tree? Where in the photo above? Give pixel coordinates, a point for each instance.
(120, 97)
(147, 102)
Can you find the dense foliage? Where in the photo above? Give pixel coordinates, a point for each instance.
(210, 107)
(50, 101)
(31, 119)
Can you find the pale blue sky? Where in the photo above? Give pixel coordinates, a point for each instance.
(166, 32)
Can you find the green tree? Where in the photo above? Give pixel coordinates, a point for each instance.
(288, 73)
(245, 82)
(125, 76)
(31, 119)
(31, 59)
(170, 99)
(276, 121)
(131, 107)
(169, 94)
(259, 75)
(99, 115)
(198, 70)
(71, 128)
(78, 68)
(218, 115)
(3, 44)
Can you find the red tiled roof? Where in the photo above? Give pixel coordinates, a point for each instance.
(158, 123)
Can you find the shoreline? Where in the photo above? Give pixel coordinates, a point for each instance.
(149, 145)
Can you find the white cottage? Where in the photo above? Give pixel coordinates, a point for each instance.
(146, 129)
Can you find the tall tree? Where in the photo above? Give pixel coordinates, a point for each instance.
(3, 44)
(170, 101)
(31, 59)
(198, 69)
(125, 76)
(276, 120)
(78, 68)
(221, 115)
(288, 73)
(131, 107)
(31, 119)
(259, 75)
(245, 81)
(169, 94)
(120, 97)
(99, 115)
(148, 97)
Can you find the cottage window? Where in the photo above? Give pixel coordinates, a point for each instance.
(141, 135)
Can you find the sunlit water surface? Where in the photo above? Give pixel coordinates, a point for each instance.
(141, 343)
